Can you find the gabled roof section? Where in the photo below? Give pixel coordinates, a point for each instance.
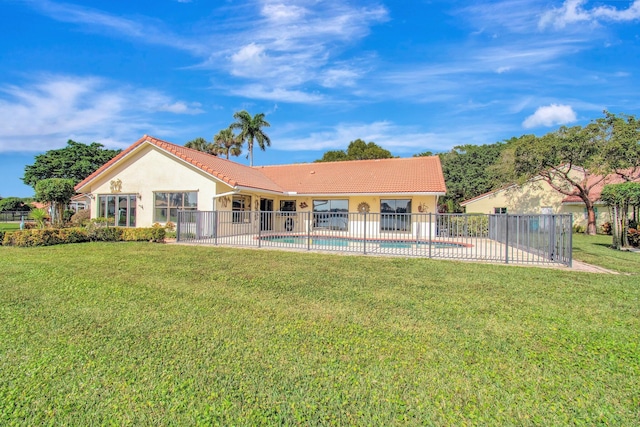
(405, 175)
(414, 175)
(487, 194)
(231, 173)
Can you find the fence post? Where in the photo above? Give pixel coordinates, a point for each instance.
(506, 238)
(260, 214)
(309, 219)
(364, 241)
(570, 228)
(217, 227)
(552, 238)
(430, 235)
(178, 226)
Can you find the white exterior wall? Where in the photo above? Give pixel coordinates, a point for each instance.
(152, 170)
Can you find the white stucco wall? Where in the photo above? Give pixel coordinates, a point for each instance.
(150, 170)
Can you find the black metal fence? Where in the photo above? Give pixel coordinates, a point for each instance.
(518, 239)
(13, 216)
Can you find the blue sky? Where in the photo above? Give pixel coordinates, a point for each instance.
(408, 75)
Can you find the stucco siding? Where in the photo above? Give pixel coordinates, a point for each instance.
(148, 171)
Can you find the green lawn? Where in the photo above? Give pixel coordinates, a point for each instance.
(595, 250)
(8, 226)
(151, 334)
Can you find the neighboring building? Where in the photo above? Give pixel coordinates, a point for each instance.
(536, 196)
(152, 179)
(80, 202)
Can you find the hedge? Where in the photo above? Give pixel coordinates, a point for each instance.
(57, 236)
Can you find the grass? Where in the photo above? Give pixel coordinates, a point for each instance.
(9, 226)
(148, 334)
(596, 250)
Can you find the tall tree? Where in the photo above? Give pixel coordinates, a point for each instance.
(621, 136)
(76, 162)
(227, 143)
(468, 172)
(201, 144)
(357, 150)
(251, 130)
(58, 192)
(570, 160)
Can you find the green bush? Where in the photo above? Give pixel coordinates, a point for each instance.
(467, 225)
(581, 229)
(81, 218)
(1, 236)
(55, 236)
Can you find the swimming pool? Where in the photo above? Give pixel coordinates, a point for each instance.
(334, 241)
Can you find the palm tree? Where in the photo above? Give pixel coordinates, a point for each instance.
(251, 129)
(201, 144)
(226, 142)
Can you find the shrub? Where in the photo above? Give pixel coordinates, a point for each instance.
(170, 226)
(81, 218)
(579, 228)
(55, 236)
(1, 236)
(40, 216)
(606, 228)
(74, 235)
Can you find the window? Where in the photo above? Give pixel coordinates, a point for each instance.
(241, 206)
(331, 214)
(119, 207)
(166, 205)
(499, 210)
(395, 215)
(287, 205)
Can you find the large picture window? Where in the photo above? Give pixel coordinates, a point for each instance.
(395, 214)
(120, 208)
(331, 214)
(241, 206)
(166, 204)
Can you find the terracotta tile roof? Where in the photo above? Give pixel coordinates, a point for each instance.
(598, 184)
(407, 175)
(232, 173)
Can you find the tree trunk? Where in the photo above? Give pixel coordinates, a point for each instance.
(615, 229)
(624, 225)
(591, 220)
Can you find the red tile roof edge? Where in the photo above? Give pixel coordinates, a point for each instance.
(164, 145)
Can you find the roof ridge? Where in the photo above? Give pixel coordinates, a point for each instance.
(345, 161)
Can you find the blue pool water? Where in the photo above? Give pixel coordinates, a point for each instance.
(344, 241)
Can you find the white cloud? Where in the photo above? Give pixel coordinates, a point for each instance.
(284, 43)
(256, 91)
(280, 12)
(45, 114)
(400, 140)
(550, 115)
(573, 11)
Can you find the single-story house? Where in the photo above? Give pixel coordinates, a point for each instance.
(536, 196)
(152, 179)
